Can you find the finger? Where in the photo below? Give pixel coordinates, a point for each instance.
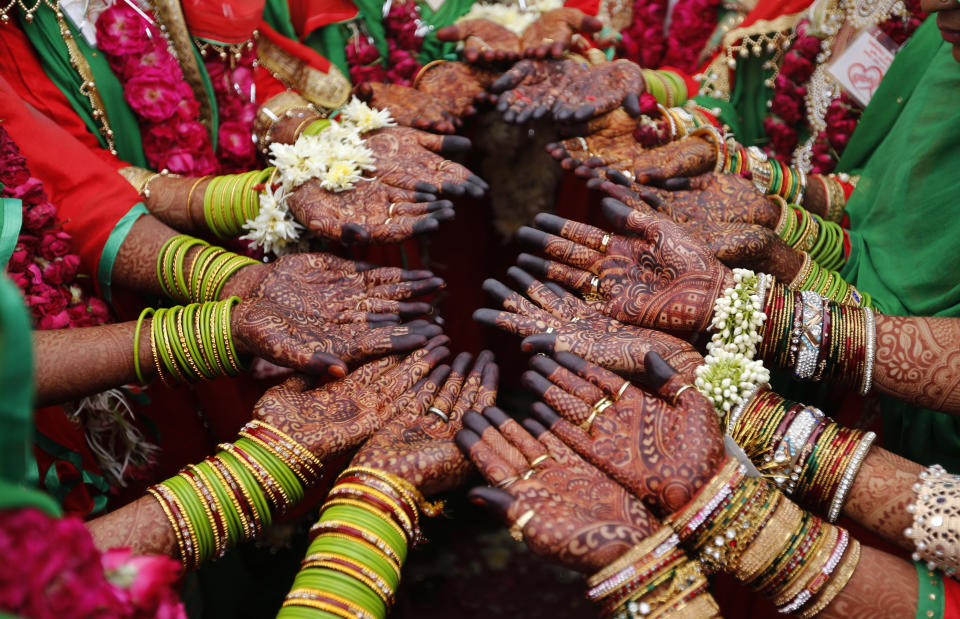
(387, 340)
(625, 218)
(569, 407)
(455, 32)
(496, 500)
(511, 78)
(387, 275)
(567, 252)
(567, 380)
(467, 397)
(407, 290)
(404, 309)
(451, 387)
(334, 229)
(578, 20)
(410, 209)
(539, 343)
(416, 366)
(415, 400)
(298, 383)
(572, 435)
(575, 279)
(493, 468)
(498, 443)
(515, 434)
(513, 301)
(583, 234)
(487, 394)
(373, 370)
(666, 381)
(612, 385)
(516, 324)
(555, 447)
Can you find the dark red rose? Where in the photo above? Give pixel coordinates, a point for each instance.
(39, 216)
(54, 245)
(796, 67)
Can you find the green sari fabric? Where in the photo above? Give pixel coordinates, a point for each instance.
(904, 235)
(44, 35)
(16, 384)
(747, 107)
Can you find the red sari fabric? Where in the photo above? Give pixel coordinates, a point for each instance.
(308, 15)
(224, 22)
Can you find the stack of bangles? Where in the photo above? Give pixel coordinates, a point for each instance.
(769, 175)
(667, 87)
(353, 563)
(828, 284)
(655, 578)
(800, 229)
(808, 455)
(209, 269)
(229, 201)
(684, 120)
(819, 339)
(190, 343)
(744, 526)
(230, 498)
(836, 191)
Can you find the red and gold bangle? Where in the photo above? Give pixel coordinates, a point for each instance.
(284, 456)
(276, 494)
(380, 501)
(277, 435)
(367, 507)
(353, 539)
(324, 600)
(353, 569)
(248, 513)
(212, 508)
(358, 532)
(179, 522)
(406, 503)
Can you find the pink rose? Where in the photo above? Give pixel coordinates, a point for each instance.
(20, 258)
(152, 96)
(98, 310)
(54, 244)
(241, 77)
(157, 61)
(59, 320)
(188, 108)
(44, 300)
(179, 160)
(796, 67)
(149, 579)
(361, 51)
(40, 216)
(191, 135)
(236, 141)
(782, 137)
(648, 104)
(372, 73)
(809, 47)
(121, 31)
(31, 192)
(61, 271)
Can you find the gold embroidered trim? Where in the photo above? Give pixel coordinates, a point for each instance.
(328, 90)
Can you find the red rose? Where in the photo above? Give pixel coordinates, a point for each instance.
(98, 310)
(372, 73)
(796, 67)
(40, 216)
(21, 257)
(55, 321)
(54, 245)
(152, 96)
(787, 108)
(648, 104)
(236, 141)
(46, 300)
(31, 192)
(61, 271)
(809, 47)
(191, 134)
(361, 51)
(782, 137)
(120, 31)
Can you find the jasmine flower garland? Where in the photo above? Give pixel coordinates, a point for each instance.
(730, 372)
(336, 156)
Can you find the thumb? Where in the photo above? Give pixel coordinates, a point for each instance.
(496, 500)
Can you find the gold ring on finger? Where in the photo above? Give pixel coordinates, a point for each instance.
(595, 286)
(604, 242)
(393, 205)
(539, 459)
(504, 483)
(676, 396)
(550, 330)
(620, 391)
(516, 529)
(439, 413)
(528, 474)
(387, 221)
(583, 144)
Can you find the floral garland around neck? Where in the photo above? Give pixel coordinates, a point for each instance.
(336, 156)
(794, 86)
(43, 264)
(404, 31)
(154, 86)
(648, 42)
(51, 568)
(231, 70)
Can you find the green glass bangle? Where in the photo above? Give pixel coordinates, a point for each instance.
(275, 467)
(349, 513)
(304, 612)
(252, 486)
(776, 177)
(316, 127)
(357, 552)
(204, 326)
(340, 584)
(136, 344)
(229, 305)
(186, 324)
(179, 267)
(234, 528)
(164, 347)
(208, 204)
(198, 518)
(170, 327)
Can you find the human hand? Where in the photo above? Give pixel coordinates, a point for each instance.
(463, 86)
(602, 89)
(411, 159)
(304, 342)
(408, 106)
(661, 446)
(338, 416)
(580, 518)
(724, 198)
(335, 289)
(370, 212)
(552, 33)
(660, 278)
(531, 88)
(417, 444)
(607, 139)
(558, 321)
(482, 40)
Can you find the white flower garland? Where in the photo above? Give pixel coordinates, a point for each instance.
(511, 16)
(336, 156)
(730, 373)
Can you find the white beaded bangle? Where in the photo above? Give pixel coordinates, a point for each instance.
(871, 328)
(738, 410)
(846, 482)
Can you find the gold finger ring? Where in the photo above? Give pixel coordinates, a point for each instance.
(676, 396)
(393, 205)
(528, 474)
(623, 388)
(601, 405)
(516, 529)
(583, 144)
(539, 459)
(439, 413)
(550, 330)
(604, 242)
(595, 285)
(387, 221)
(507, 481)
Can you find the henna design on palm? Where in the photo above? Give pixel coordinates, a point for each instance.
(482, 40)
(531, 88)
(660, 279)
(553, 32)
(338, 416)
(604, 140)
(460, 85)
(370, 212)
(601, 89)
(660, 447)
(304, 342)
(409, 107)
(581, 518)
(408, 159)
(418, 446)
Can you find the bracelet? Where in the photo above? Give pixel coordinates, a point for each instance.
(207, 274)
(935, 519)
(232, 200)
(189, 344)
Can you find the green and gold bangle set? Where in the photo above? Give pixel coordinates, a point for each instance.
(667, 87)
(352, 567)
(231, 497)
(208, 272)
(230, 200)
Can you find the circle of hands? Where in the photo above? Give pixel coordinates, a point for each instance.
(609, 315)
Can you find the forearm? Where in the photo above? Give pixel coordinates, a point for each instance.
(73, 363)
(177, 201)
(918, 361)
(880, 495)
(881, 586)
(142, 526)
(136, 265)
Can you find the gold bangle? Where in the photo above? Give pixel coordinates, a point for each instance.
(423, 71)
(371, 509)
(244, 523)
(178, 534)
(836, 585)
(803, 273)
(257, 524)
(365, 544)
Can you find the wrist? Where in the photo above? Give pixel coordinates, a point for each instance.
(244, 281)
